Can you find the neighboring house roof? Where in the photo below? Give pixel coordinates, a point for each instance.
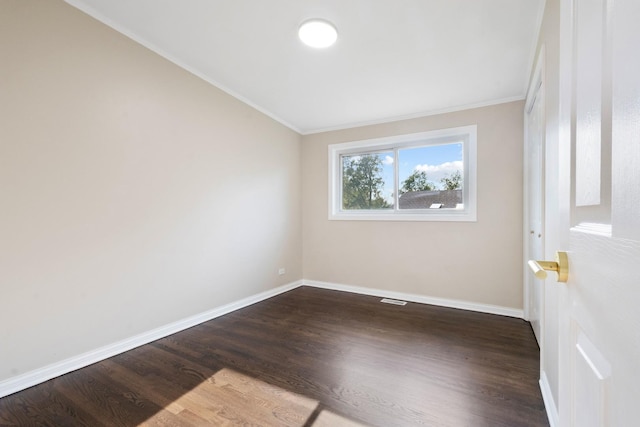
(424, 199)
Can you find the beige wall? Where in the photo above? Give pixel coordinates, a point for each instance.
(479, 262)
(132, 194)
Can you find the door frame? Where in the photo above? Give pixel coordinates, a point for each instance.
(563, 181)
(537, 85)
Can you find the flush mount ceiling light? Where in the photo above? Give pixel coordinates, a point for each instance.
(317, 33)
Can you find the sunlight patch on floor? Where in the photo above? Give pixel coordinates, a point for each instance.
(230, 398)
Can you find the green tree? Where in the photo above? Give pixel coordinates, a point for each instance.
(453, 181)
(362, 182)
(417, 181)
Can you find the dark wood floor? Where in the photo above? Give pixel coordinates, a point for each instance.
(308, 357)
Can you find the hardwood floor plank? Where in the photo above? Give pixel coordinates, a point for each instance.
(329, 419)
(104, 399)
(308, 357)
(149, 386)
(42, 406)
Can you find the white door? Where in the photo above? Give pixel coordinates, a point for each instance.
(599, 173)
(534, 149)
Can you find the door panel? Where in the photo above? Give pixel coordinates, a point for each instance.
(626, 118)
(598, 311)
(588, 75)
(591, 373)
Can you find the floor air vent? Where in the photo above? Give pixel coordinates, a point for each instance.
(393, 301)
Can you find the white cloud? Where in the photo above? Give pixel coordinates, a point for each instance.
(388, 160)
(436, 172)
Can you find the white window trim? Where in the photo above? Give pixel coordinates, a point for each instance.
(467, 134)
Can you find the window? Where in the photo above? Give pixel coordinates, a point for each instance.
(428, 176)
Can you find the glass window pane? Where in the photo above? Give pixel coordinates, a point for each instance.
(367, 181)
(431, 177)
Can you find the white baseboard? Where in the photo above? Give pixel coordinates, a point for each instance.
(549, 403)
(443, 302)
(37, 376)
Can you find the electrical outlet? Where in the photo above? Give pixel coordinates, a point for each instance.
(281, 271)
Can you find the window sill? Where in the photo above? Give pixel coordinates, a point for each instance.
(442, 216)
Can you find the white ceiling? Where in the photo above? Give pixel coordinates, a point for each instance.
(393, 59)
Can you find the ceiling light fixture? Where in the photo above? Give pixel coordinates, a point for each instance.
(317, 33)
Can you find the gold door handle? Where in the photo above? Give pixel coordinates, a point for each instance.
(560, 266)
